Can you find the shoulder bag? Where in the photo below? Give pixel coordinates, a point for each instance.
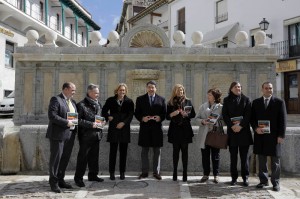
(216, 137)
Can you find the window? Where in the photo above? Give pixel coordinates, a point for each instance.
(7, 92)
(71, 31)
(222, 44)
(41, 11)
(294, 39)
(221, 11)
(181, 20)
(9, 50)
(57, 22)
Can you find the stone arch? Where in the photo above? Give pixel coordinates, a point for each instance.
(145, 35)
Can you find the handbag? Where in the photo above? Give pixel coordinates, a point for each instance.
(216, 137)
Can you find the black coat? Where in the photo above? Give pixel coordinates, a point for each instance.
(266, 144)
(150, 134)
(57, 114)
(120, 113)
(86, 117)
(180, 129)
(234, 108)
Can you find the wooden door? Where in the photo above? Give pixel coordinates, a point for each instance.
(291, 92)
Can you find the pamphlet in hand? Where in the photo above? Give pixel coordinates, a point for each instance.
(187, 109)
(100, 121)
(265, 125)
(72, 117)
(213, 117)
(236, 120)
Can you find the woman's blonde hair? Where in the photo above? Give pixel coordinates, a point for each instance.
(174, 92)
(118, 87)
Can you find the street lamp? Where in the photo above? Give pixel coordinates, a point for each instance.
(264, 25)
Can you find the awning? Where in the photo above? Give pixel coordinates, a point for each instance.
(218, 34)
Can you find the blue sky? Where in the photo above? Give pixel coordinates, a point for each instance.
(106, 13)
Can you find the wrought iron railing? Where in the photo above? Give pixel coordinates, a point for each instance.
(287, 49)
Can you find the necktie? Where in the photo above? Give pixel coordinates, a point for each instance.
(266, 103)
(70, 105)
(151, 100)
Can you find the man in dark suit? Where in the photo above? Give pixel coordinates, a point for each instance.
(150, 112)
(271, 110)
(61, 134)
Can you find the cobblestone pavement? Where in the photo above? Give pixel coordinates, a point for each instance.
(36, 186)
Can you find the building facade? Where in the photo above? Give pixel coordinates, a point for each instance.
(67, 18)
(220, 20)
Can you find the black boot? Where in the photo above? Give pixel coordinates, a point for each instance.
(122, 176)
(184, 176)
(112, 176)
(174, 175)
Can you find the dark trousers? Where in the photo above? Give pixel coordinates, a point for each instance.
(88, 154)
(145, 159)
(214, 154)
(60, 153)
(113, 156)
(184, 148)
(244, 157)
(263, 169)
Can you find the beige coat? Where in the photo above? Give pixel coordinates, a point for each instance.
(204, 112)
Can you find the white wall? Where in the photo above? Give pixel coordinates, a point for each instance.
(7, 75)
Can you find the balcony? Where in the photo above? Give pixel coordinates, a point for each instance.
(287, 49)
(180, 26)
(222, 17)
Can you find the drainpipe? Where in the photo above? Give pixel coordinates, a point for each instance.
(46, 12)
(63, 18)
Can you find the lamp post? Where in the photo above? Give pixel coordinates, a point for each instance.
(264, 25)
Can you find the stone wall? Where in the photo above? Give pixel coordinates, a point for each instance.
(35, 156)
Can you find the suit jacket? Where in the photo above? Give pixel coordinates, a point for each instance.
(150, 134)
(120, 113)
(232, 108)
(57, 114)
(266, 144)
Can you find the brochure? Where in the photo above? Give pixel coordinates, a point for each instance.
(187, 109)
(100, 121)
(265, 125)
(213, 117)
(236, 120)
(72, 117)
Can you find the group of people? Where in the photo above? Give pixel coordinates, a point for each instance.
(237, 112)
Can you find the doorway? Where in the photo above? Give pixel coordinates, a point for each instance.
(291, 87)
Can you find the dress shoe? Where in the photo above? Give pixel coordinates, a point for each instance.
(246, 183)
(276, 188)
(204, 179)
(55, 188)
(143, 175)
(262, 185)
(63, 184)
(95, 178)
(233, 182)
(157, 176)
(216, 179)
(112, 176)
(122, 176)
(79, 183)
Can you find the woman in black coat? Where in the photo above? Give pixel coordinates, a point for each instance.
(180, 111)
(236, 114)
(118, 110)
